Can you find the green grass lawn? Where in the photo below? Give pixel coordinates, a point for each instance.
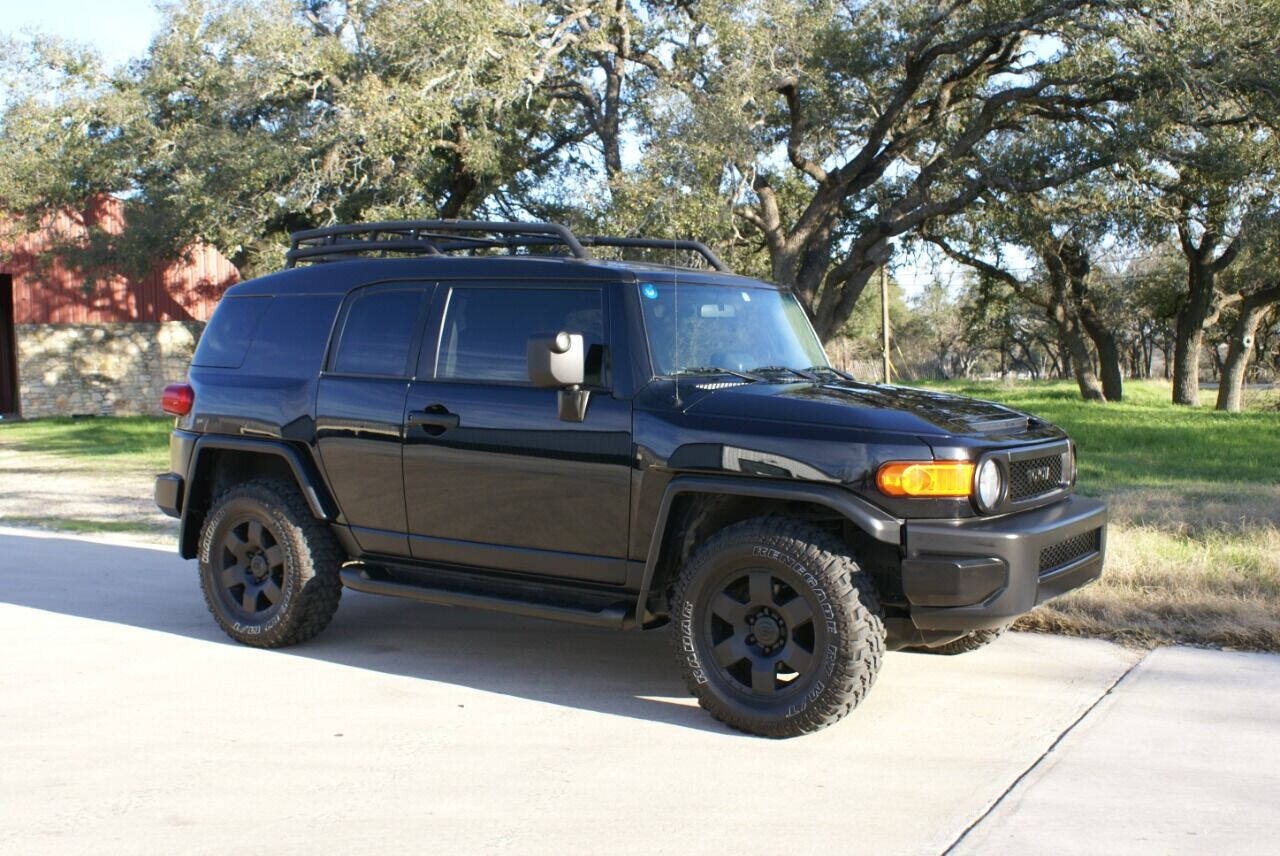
(141, 441)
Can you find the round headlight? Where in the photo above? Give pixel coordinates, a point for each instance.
(990, 483)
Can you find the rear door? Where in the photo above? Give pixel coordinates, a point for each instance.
(493, 477)
(360, 408)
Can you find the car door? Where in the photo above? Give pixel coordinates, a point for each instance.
(493, 477)
(360, 408)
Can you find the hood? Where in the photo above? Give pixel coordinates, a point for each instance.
(857, 405)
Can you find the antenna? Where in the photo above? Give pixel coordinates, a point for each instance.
(675, 319)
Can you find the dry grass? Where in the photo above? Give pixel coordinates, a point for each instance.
(1218, 586)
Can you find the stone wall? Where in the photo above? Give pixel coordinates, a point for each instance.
(99, 369)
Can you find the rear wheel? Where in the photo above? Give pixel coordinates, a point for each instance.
(777, 630)
(268, 568)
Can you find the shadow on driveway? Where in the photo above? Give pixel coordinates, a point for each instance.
(621, 673)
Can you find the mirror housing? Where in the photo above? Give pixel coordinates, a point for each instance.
(557, 362)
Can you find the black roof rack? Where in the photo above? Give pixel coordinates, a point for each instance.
(438, 237)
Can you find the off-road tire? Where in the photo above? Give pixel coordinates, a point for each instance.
(310, 586)
(971, 641)
(845, 627)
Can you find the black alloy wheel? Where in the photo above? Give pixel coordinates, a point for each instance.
(761, 633)
(777, 630)
(251, 568)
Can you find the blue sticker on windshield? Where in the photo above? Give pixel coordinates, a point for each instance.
(650, 291)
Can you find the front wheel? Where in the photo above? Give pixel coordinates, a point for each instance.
(777, 630)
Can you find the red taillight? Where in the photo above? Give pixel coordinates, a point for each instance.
(177, 399)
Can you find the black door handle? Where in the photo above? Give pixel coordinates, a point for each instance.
(435, 420)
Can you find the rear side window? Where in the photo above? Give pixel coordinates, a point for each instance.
(378, 332)
(292, 335)
(230, 331)
(486, 331)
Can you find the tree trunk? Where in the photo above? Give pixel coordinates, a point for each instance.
(1076, 266)
(1188, 335)
(1240, 346)
(1186, 362)
(1077, 350)
(1108, 357)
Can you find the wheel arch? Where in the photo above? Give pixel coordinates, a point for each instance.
(694, 506)
(217, 462)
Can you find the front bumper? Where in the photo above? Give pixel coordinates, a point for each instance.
(980, 573)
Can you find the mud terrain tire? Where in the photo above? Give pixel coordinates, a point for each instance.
(776, 628)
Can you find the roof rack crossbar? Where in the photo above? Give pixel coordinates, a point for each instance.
(657, 244)
(436, 237)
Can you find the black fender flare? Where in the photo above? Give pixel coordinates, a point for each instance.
(305, 473)
(877, 523)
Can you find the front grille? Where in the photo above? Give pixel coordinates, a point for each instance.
(1066, 552)
(1034, 476)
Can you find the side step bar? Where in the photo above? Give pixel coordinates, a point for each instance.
(365, 579)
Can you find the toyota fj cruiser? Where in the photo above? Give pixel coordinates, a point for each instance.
(492, 415)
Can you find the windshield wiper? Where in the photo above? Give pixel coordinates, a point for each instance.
(778, 369)
(834, 371)
(694, 370)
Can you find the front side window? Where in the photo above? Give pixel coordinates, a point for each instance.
(726, 327)
(487, 330)
(378, 332)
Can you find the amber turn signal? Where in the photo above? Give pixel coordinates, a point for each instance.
(926, 478)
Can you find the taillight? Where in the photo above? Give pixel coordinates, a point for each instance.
(178, 399)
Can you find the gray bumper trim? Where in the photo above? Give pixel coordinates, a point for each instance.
(1017, 540)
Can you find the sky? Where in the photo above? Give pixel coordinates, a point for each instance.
(119, 29)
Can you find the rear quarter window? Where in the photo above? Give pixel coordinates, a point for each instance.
(230, 332)
(292, 335)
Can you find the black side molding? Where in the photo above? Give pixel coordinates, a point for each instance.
(368, 579)
(304, 472)
(877, 523)
(312, 486)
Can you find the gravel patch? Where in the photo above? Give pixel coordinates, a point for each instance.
(51, 491)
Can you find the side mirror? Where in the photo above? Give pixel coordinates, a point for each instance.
(560, 362)
(557, 361)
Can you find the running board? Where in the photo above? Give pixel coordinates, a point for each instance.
(372, 581)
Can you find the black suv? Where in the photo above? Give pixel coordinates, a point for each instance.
(489, 415)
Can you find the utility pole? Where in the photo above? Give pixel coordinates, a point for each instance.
(884, 320)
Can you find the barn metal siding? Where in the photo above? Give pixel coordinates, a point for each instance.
(47, 292)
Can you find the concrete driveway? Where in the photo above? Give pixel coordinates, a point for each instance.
(129, 724)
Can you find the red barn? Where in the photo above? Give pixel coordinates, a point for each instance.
(97, 341)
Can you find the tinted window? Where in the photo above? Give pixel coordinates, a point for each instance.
(294, 331)
(230, 331)
(377, 333)
(486, 331)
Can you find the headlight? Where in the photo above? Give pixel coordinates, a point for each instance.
(1069, 465)
(989, 484)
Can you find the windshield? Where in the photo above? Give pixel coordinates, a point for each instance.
(727, 328)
